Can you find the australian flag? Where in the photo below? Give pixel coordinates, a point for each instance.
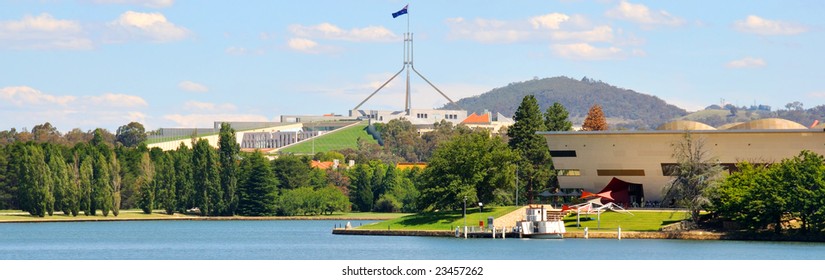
(400, 12)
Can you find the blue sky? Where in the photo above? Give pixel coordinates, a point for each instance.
(177, 63)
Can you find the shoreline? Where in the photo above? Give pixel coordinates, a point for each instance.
(678, 235)
(179, 217)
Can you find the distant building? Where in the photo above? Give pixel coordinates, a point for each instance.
(418, 117)
(489, 121)
(590, 160)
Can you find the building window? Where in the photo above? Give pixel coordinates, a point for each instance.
(568, 172)
(563, 153)
(620, 172)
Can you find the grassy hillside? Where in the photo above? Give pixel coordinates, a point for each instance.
(336, 140)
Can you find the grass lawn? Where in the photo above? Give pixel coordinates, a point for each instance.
(444, 220)
(644, 220)
(336, 140)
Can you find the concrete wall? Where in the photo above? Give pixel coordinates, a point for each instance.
(647, 151)
(213, 139)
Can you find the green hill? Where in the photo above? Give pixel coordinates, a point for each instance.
(336, 140)
(622, 107)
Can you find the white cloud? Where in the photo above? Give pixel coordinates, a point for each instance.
(747, 62)
(757, 25)
(43, 32)
(147, 3)
(602, 33)
(489, 30)
(641, 14)
(207, 120)
(206, 106)
(191, 86)
(22, 96)
(117, 100)
(584, 51)
(150, 26)
(818, 94)
(549, 21)
(329, 31)
(302, 45)
(22, 105)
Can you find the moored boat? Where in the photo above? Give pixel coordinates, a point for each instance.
(542, 223)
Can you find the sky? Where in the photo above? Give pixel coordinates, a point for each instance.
(184, 63)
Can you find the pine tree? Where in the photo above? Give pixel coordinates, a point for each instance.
(595, 120)
(228, 150)
(535, 168)
(556, 118)
(165, 183)
(257, 191)
(184, 189)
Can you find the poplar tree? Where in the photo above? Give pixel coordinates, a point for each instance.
(60, 179)
(146, 190)
(165, 183)
(228, 150)
(85, 186)
(205, 176)
(101, 186)
(184, 190)
(115, 182)
(35, 182)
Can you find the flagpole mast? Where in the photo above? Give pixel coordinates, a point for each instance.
(408, 62)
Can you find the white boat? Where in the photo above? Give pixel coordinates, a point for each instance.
(542, 223)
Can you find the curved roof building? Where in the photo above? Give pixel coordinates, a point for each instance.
(685, 125)
(770, 123)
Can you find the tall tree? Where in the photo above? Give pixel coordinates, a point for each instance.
(401, 138)
(116, 182)
(257, 193)
(164, 183)
(35, 182)
(228, 154)
(46, 133)
(130, 135)
(595, 120)
(85, 185)
(101, 186)
(695, 173)
(292, 171)
(145, 183)
(60, 179)
(206, 178)
(535, 167)
(184, 186)
(556, 118)
(361, 193)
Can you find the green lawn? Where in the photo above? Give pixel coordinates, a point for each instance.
(444, 220)
(336, 140)
(644, 220)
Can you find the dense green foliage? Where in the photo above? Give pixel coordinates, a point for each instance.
(475, 167)
(785, 195)
(257, 192)
(633, 109)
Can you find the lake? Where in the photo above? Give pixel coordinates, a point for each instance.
(313, 240)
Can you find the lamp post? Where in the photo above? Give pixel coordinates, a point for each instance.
(465, 212)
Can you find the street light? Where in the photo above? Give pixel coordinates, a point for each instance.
(480, 207)
(465, 213)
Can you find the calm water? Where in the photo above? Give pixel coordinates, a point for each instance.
(308, 240)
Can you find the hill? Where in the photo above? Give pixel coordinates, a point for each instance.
(341, 138)
(623, 108)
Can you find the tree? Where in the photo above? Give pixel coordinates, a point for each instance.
(184, 186)
(228, 150)
(60, 180)
(85, 185)
(752, 197)
(131, 135)
(205, 178)
(115, 182)
(361, 192)
(35, 181)
(101, 186)
(794, 106)
(401, 138)
(258, 189)
(695, 173)
(145, 183)
(474, 166)
(164, 183)
(802, 179)
(595, 120)
(292, 171)
(535, 166)
(46, 133)
(556, 118)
